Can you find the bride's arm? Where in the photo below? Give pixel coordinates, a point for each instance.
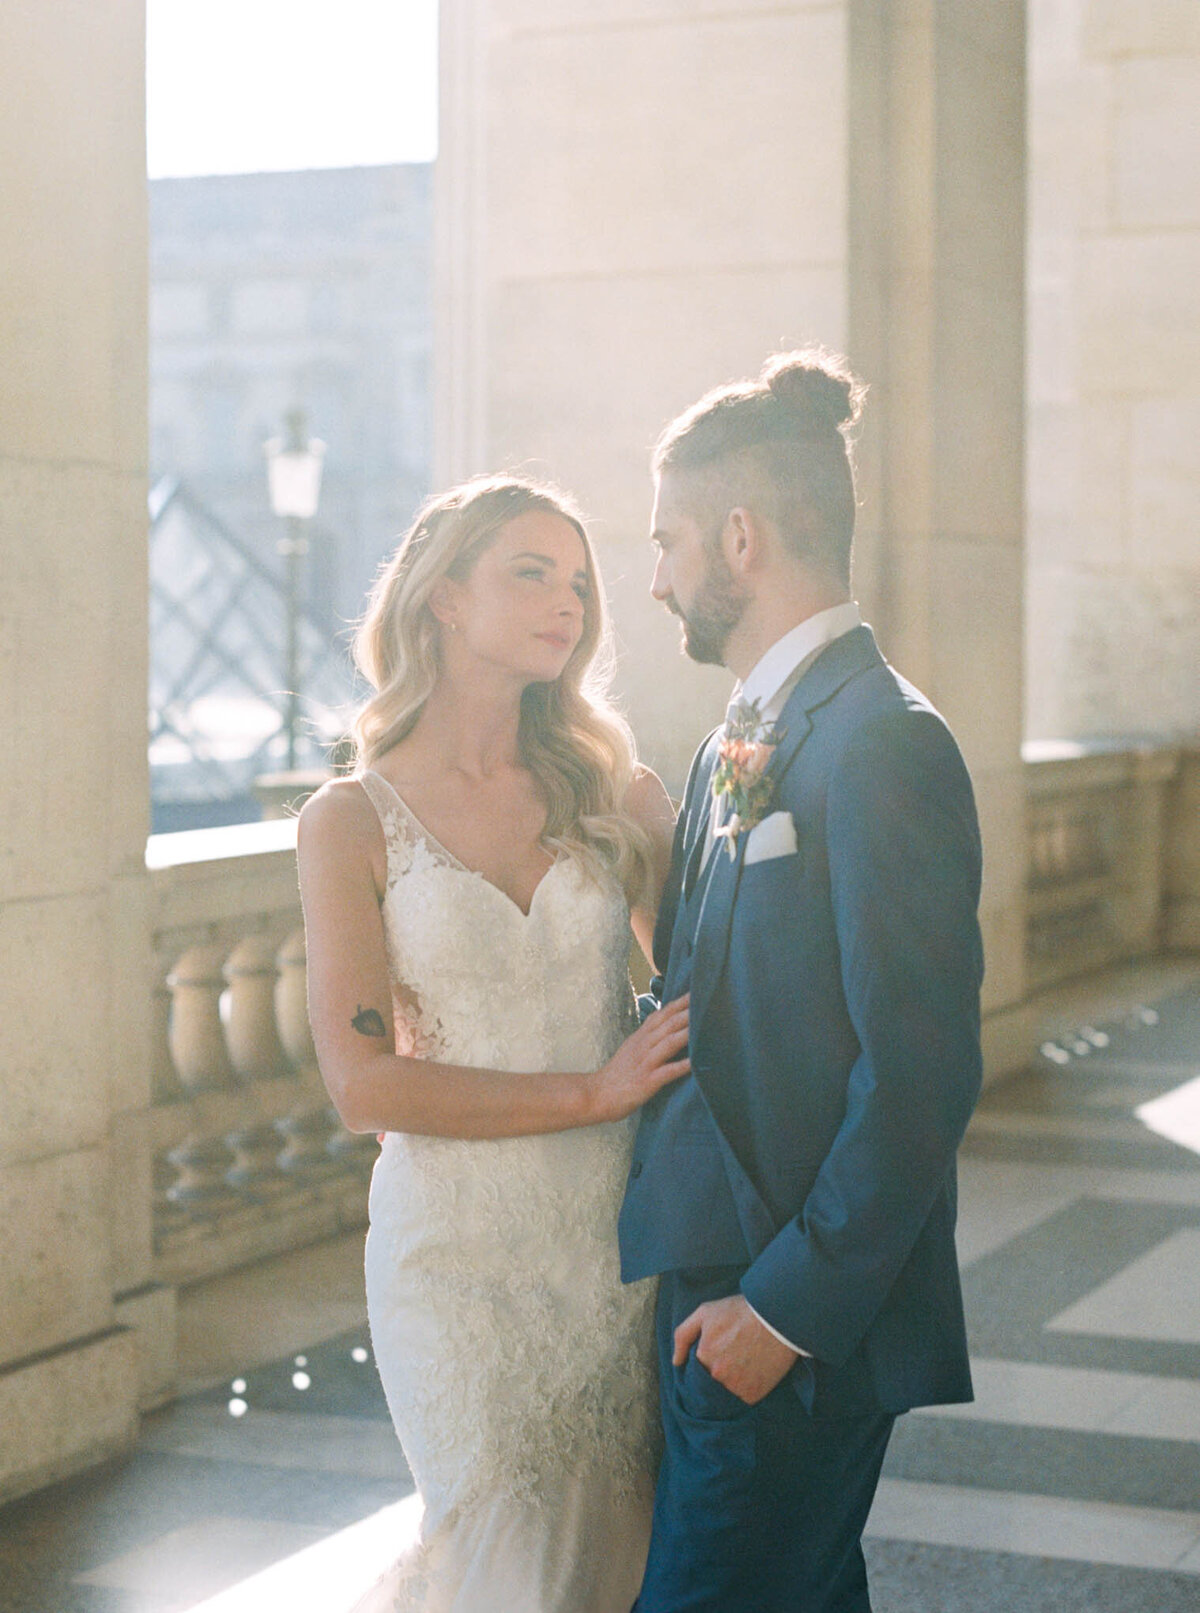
(343, 866)
(648, 803)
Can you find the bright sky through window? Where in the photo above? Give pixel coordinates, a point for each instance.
(247, 86)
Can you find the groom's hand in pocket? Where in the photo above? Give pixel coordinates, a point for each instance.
(735, 1348)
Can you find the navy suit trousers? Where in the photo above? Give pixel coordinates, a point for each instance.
(759, 1509)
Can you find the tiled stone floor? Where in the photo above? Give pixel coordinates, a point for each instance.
(1071, 1485)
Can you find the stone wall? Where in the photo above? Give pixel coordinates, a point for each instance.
(638, 199)
(1114, 368)
(74, 1001)
(610, 248)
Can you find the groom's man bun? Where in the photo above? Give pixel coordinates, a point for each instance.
(780, 446)
(816, 387)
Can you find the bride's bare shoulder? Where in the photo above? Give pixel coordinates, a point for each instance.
(647, 801)
(340, 819)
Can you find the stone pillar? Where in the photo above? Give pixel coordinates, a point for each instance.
(937, 314)
(74, 1179)
(638, 200)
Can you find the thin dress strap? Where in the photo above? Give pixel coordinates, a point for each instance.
(380, 795)
(393, 820)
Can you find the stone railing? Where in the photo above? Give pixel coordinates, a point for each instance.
(249, 1159)
(1114, 855)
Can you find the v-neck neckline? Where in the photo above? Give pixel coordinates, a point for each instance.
(460, 866)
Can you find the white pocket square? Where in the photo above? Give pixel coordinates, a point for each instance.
(775, 836)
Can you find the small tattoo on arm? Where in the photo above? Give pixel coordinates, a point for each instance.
(368, 1022)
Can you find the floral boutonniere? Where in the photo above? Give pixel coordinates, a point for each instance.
(740, 778)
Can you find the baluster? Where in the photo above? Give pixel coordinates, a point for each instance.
(1060, 847)
(354, 1151)
(1081, 847)
(167, 1214)
(195, 1035)
(291, 1005)
(248, 1002)
(305, 1133)
(306, 1129)
(165, 1085)
(255, 1170)
(201, 1163)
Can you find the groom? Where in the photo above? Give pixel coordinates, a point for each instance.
(797, 1191)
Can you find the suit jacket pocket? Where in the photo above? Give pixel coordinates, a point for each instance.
(774, 837)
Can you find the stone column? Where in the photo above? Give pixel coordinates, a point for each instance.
(937, 315)
(74, 1182)
(638, 200)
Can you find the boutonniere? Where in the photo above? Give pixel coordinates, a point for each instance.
(743, 757)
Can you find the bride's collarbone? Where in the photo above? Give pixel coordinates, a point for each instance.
(493, 832)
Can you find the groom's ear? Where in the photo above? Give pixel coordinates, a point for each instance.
(742, 539)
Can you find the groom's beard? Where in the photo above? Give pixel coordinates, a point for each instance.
(718, 607)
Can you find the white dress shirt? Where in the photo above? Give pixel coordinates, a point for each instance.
(777, 672)
(774, 676)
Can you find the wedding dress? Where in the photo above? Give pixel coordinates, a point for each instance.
(518, 1370)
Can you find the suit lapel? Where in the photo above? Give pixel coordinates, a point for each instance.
(713, 896)
(713, 901)
(699, 809)
(674, 920)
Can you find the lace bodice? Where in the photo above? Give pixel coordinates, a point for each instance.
(476, 980)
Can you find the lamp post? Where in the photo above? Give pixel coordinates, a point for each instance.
(294, 463)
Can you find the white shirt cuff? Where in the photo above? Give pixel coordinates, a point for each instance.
(775, 1333)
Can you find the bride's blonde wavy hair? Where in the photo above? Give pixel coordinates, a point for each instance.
(576, 745)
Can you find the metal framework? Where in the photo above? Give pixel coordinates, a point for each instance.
(217, 630)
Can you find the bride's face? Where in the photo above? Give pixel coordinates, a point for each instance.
(521, 607)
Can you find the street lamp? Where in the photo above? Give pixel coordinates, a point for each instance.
(294, 464)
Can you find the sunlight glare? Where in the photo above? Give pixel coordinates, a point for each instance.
(251, 86)
(330, 1575)
(1175, 1116)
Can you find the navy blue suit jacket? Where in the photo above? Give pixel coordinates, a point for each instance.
(834, 1045)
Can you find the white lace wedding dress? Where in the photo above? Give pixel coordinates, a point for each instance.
(518, 1370)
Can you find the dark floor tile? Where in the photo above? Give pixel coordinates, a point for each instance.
(1132, 1472)
(1141, 1151)
(90, 1520)
(908, 1578)
(1013, 1292)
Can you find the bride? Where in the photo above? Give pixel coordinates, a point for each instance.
(468, 896)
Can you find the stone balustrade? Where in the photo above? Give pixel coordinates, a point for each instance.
(1114, 856)
(248, 1157)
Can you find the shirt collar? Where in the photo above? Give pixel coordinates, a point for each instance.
(778, 671)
